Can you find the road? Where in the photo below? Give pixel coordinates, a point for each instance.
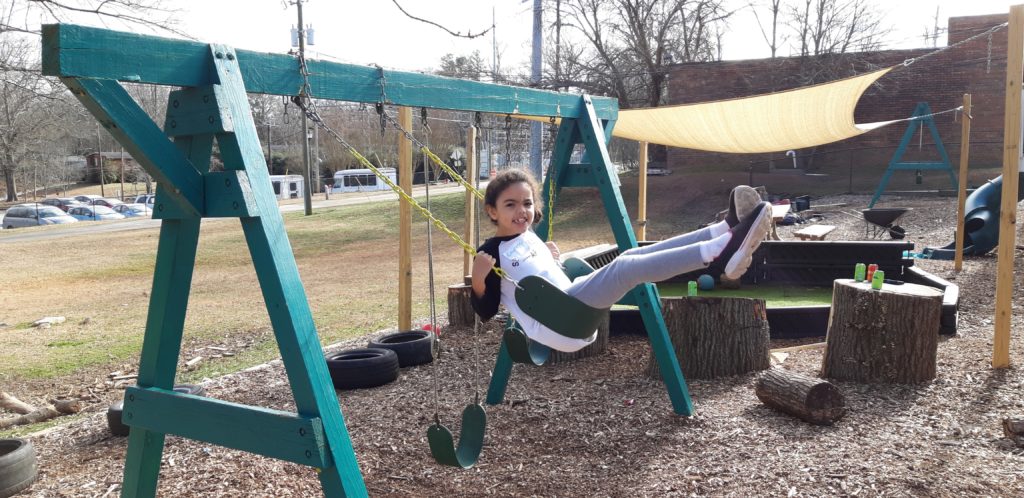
(90, 228)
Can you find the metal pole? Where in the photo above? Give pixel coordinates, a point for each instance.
(307, 192)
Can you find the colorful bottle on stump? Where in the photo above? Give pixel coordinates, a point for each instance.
(859, 272)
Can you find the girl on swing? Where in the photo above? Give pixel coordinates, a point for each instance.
(513, 203)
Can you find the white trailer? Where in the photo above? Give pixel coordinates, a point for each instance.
(361, 180)
(287, 186)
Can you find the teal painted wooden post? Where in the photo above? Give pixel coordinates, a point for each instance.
(172, 281)
(500, 376)
(282, 287)
(923, 111)
(226, 115)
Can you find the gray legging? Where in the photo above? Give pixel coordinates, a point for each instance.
(653, 263)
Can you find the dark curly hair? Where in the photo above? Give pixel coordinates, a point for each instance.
(508, 177)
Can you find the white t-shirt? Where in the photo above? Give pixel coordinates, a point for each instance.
(521, 257)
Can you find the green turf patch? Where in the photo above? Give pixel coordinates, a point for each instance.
(775, 296)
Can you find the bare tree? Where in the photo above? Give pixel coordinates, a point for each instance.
(25, 16)
(26, 104)
(771, 32)
(622, 47)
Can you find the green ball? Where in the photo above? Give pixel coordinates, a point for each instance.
(705, 283)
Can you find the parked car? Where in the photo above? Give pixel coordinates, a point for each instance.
(147, 199)
(134, 210)
(64, 203)
(87, 198)
(30, 215)
(110, 202)
(94, 213)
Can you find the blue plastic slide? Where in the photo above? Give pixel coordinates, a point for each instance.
(981, 222)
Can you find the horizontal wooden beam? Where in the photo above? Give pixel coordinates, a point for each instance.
(276, 434)
(78, 51)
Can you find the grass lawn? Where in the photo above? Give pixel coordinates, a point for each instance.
(347, 258)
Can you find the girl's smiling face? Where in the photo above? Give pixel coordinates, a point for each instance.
(514, 209)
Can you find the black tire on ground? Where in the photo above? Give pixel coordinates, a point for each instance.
(413, 347)
(114, 413)
(114, 423)
(361, 368)
(897, 232)
(18, 468)
(194, 389)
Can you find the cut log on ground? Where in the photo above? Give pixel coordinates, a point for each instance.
(55, 409)
(715, 336)
(599, 346)
(807, 398)
(889, 335)
(460, 308)
(14, 405)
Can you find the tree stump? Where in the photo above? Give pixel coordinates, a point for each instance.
(460, 307)
(807, 398)
(715, 336)
(884, 336)
(599, 346)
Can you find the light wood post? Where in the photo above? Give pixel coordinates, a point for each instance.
(1008, 206)
(641, 212)
(405, 224)
(961, 196)
(471, 177)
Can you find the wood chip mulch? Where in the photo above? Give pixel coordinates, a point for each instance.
(599, 427)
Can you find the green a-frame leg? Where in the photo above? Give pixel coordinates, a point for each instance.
(316, 435)
(597, 171)
(922, 116)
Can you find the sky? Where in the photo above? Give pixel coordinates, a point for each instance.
(376, 32)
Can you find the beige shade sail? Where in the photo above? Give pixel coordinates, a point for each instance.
(793, 119)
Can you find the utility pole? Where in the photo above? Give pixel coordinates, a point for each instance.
(535, 72)
(270, 142)
(316, 158)
(306, 177)
(122, 173)
(99, 160)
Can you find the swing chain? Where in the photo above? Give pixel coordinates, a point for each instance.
(314, 116)
(508, 140)
(433, 157)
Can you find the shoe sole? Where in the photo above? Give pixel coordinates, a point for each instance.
(740, 261)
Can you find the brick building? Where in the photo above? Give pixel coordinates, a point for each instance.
(977, 67)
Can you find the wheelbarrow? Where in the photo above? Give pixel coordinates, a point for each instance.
(878, 221)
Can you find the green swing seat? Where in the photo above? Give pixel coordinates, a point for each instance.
(550, 306)
(553, 308)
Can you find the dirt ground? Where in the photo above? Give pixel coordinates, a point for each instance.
(599, 427)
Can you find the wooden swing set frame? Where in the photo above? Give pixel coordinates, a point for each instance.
(212, 105)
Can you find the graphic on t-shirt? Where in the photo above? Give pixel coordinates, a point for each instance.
(519, 251)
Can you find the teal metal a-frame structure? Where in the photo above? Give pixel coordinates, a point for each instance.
(922, 116)
(212, 106)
